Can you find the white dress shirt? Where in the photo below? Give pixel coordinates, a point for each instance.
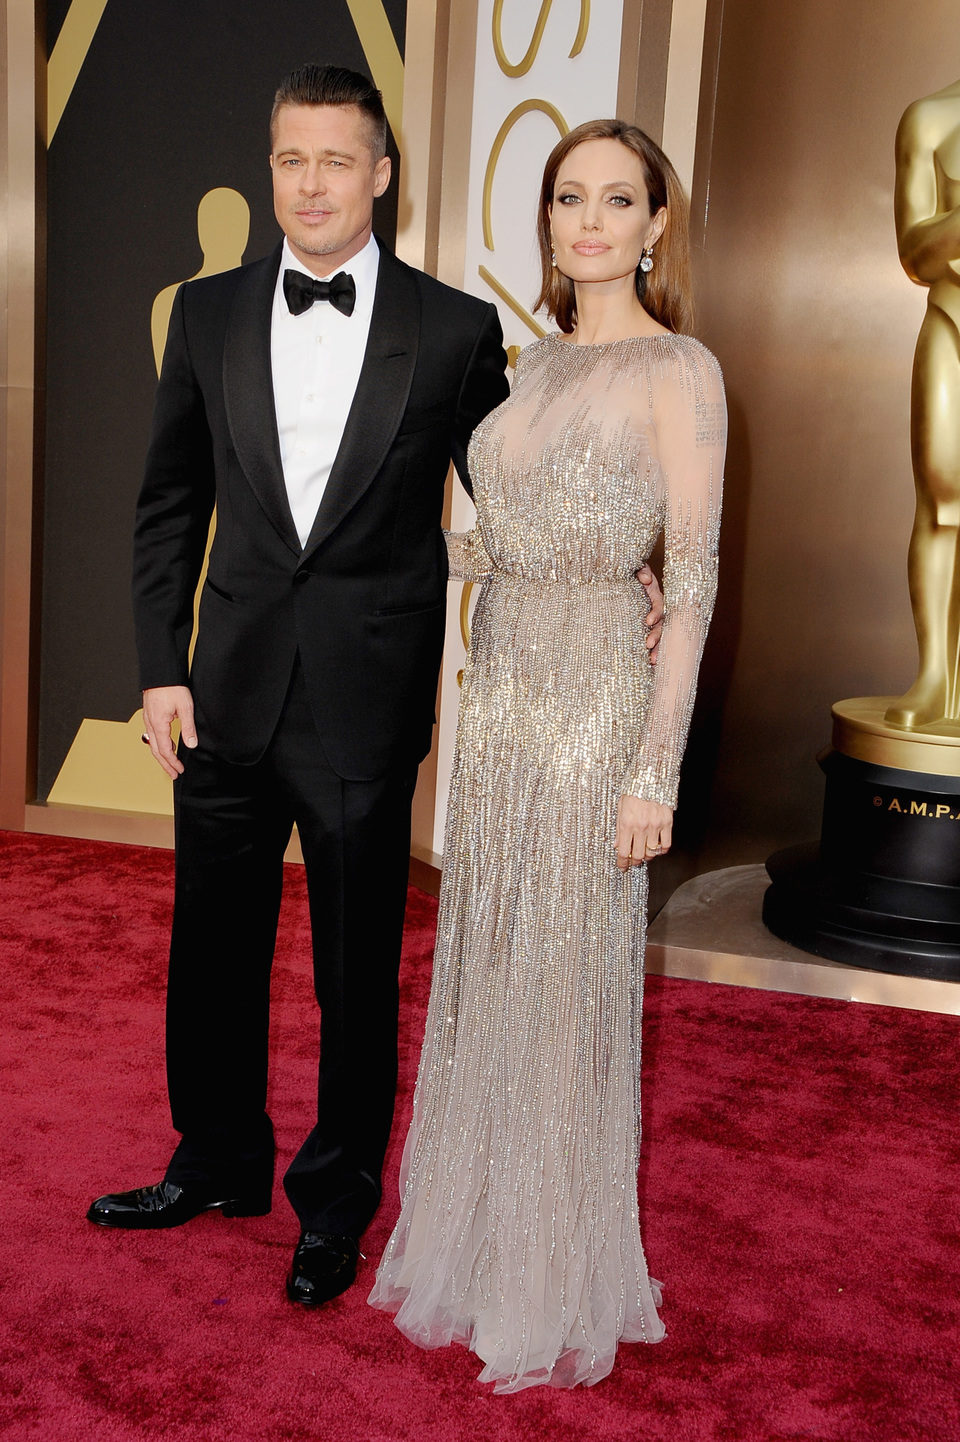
(316, 359)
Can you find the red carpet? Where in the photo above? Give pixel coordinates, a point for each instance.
(799, 1193)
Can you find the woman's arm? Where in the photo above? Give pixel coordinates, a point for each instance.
(690, 421)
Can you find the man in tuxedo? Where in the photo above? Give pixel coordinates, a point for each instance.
(316, 397)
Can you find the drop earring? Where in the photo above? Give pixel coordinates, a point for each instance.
(646, 259)
(553, 254)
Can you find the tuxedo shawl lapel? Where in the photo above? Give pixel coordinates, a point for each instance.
(248, 394)
(380, 398)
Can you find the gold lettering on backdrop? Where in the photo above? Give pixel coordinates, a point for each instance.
(465, 622)
(518, 309)
(67, 57)
(526, 107)
(533, 49)
(382, 55)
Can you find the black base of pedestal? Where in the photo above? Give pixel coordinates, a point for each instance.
(882, 888)
(817, 911)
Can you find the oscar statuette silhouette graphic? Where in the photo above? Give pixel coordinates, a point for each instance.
(107, 766)
(882, 888)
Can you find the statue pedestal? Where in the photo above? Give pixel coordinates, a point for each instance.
(882, 887)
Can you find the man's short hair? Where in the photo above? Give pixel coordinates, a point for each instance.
(333, 85)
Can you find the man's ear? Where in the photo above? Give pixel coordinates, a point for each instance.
(381, 175)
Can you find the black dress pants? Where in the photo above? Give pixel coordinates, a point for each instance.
(232, 826)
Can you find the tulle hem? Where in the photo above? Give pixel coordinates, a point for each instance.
(566, 1367)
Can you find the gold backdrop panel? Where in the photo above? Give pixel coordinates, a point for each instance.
(108, 765)
(802, 297)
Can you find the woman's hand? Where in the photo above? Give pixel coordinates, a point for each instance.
(654, 620)
(644, 830)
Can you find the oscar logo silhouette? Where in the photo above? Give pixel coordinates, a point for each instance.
(882, 887)
(107, 766)
(928, 235)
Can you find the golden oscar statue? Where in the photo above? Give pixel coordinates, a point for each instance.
(882, 887)
(927, 204)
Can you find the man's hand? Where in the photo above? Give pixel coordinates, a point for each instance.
(644, 830)
(162, 705)
(651, 585)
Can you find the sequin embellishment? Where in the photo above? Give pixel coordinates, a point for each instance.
(519, 1231)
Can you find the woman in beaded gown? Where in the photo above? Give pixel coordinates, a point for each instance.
(519, 1233)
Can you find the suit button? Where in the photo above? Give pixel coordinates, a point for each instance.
(300, 577)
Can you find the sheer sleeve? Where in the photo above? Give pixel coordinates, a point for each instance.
(691, 429)
(467, 555)
(466, 552)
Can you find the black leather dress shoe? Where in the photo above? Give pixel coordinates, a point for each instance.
(167, 1205)
(324, 1265)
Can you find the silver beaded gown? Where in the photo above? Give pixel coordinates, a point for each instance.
(519, 1233)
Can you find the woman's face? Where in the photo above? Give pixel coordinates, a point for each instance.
(600, 217)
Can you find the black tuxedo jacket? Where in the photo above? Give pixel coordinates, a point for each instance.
(363, 602)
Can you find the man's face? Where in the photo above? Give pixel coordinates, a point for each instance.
(325, 179)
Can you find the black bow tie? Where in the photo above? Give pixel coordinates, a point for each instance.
(302, 290)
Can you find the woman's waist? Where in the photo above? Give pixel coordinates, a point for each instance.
(625, 581)
(611, 606)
